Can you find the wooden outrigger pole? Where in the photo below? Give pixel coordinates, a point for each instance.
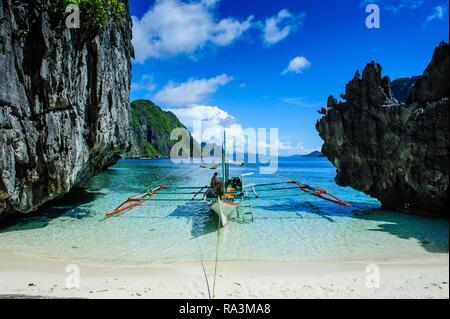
(320, 193)
(134, 201)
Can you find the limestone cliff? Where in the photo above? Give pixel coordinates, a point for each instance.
(395, 152)
(64, 102)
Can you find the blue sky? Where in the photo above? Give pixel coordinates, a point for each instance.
(241, 64)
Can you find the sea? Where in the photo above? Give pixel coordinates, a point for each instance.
(297, 228)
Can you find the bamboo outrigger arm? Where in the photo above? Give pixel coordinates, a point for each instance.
(320, 193)
(135, 201)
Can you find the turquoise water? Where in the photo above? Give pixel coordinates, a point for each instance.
(296, 229)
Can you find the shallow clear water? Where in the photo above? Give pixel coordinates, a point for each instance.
(298, 229)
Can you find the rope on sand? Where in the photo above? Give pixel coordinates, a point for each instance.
(217, 253)
(204, 270)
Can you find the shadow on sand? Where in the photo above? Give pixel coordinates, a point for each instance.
(431, 233)
(73, 206)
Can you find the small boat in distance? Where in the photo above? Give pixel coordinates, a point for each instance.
(230, 197)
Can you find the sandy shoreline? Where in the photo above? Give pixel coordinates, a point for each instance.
(45, 276)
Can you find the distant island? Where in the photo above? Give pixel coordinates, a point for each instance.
(312, 154)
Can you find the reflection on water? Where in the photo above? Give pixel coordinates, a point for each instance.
(303, 228)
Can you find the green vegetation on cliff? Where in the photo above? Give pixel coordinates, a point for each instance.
(98, 12)
(151, 130)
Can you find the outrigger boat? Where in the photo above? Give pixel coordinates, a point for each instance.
(235, 198)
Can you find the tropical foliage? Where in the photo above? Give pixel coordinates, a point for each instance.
(151, 128)
(99, 12)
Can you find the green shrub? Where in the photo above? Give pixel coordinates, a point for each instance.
(97, 13)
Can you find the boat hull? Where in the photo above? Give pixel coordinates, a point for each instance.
(224, 210)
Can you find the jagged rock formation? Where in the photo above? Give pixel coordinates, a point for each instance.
(151, 129)
(64, 102)
(403, 87)
(397, 153)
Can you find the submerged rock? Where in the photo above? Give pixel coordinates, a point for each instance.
(64, 102)
(395, 152)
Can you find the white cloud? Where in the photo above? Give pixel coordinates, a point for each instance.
(214, 121)
(228, 30)
(172, 27)
(193, 91)
(211, 115)
(278, 27)
(146, 82)
(287, 149)
(297, 65)
(395, 5)
(439, 13)
(300, 101)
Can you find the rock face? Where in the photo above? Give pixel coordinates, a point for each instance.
(397, 153)
(403, 87)
(64, 102)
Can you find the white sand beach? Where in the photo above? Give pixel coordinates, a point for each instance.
(22, 275)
